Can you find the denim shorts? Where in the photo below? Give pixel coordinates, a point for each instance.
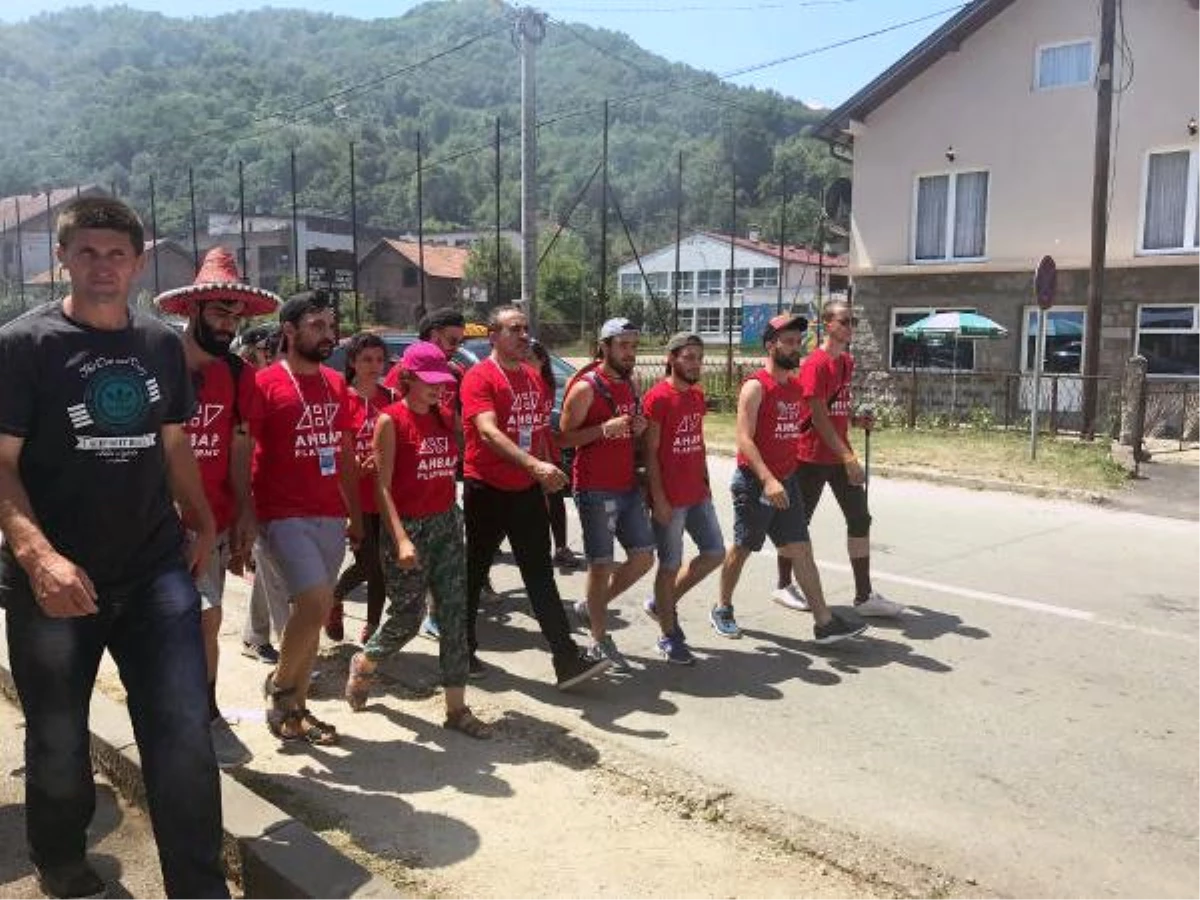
(699, 521)
(307, 552)
(754, 519)
(608, 514)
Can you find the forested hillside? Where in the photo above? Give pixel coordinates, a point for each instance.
(117, 96)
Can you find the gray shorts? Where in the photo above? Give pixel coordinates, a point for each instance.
(210, 581)
(307, 552)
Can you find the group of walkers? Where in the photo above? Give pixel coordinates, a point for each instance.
(137, 469)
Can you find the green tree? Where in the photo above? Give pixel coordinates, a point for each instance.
(480, 274)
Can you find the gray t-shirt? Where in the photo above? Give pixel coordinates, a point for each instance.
(90, 405)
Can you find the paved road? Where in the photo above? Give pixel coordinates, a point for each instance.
(1032, 724)
(121, 845)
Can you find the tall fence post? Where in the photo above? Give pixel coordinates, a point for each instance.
(1133, 409)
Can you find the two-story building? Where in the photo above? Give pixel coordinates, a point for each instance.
(390, 277)
(705, 276)
(973, 158)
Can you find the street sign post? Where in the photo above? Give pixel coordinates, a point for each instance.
(1045, 284)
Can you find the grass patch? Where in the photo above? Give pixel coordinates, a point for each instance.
(1063, 462)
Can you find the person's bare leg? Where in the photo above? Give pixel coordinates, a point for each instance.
(804, 568)
(731, 572)
(629, 573)
(664, 598)
(599, 578)
(210, 626)
(301, 640)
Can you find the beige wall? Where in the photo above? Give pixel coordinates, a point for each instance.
(1037, 145)
(381, 280)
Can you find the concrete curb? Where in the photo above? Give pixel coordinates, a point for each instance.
(266, 851)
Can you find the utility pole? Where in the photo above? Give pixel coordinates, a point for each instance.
(603, 316)
(1100, 175)
(529, 31)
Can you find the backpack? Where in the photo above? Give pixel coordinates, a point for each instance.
(236, 366)
(591, 375)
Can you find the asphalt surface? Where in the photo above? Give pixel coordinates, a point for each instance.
(1032, 724)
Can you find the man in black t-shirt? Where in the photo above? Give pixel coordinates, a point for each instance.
(92, 449)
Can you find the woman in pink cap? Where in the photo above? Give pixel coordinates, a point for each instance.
(416, 455)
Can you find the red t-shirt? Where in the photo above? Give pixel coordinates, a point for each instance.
(544, 445)
(517, 397)
(821, 376)
(606, 464)
(778, 427)
(291, 434)
(423, 482)
(211, 432)
(681, 454)
(363, 415)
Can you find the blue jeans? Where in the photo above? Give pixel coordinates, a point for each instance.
(700, 521)
(153, 634)
(605, 515)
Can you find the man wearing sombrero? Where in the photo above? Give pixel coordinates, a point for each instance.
(226, 398)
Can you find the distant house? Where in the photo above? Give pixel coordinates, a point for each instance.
(27, 230)
(168, 266)
(973, 158)
(704, 276)
(389, 276)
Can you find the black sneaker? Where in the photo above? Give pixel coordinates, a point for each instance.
(476, 669)
(844, 624)
(73, 879)
(262, 652)
(573, 670)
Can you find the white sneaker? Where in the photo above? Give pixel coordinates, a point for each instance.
(790, 598)
(880, 606)
(581, 613)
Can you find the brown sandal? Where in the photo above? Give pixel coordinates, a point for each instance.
(278, 711)
(313, 730)
(468, 723)
(358, 683)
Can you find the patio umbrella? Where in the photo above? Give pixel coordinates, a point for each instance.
(957, 326)
(971, 326)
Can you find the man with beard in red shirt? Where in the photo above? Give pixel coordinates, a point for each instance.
(766, 492)
(675, 411)
(226, 399)
(826, 458)
(305, 482)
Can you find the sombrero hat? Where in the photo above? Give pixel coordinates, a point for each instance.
(218, 280)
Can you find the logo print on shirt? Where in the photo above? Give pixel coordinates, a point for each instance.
(206, 415)
(431, 445)
(116, 400)
(317, 415)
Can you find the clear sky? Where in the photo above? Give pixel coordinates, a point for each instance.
(721, 36)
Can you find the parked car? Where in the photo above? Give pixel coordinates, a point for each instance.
(472, 350)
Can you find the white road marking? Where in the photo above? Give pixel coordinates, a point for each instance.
(1065, 612)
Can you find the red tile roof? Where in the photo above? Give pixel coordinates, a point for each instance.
(791, 252)
(33, 205)
(440, 262)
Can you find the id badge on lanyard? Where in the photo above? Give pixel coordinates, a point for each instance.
(525, 437)
(327, 460)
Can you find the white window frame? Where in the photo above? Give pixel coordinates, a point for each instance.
(718, 288)
(635, 279)
(1189, 218)
(1139, 330)
(687, 284)
(924, 311)
(1027, 333)
(736, 316)
(704, 311)
(766, 277)
(951, 204)
(1037, 65)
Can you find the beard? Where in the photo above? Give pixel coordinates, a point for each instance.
(211, 341)
(623, 370)
(786, 360)
(683, 376)
(318, 352)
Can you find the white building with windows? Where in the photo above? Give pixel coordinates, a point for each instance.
(973, 158)
(705, 275)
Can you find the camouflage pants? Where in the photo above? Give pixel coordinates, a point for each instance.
(441, 571)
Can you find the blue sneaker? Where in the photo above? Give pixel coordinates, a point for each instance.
(723, 622)
(675, 651)
(652, 611)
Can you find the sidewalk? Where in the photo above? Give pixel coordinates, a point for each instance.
(548, 808)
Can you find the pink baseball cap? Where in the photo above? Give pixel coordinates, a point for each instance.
(427, 362)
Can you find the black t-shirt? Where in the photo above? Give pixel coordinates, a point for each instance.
(90, 405)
